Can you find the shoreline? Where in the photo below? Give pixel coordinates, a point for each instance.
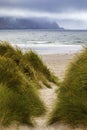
(45, 49)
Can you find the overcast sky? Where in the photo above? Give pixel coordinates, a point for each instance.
(70, 14)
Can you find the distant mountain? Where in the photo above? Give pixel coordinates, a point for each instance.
(27, 23)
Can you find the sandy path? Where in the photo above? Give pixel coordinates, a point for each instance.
(58, 64)
(48, 96)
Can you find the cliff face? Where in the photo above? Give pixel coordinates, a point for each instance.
(26, 23)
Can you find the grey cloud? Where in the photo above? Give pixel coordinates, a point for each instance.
(46, 5)
(66, 12)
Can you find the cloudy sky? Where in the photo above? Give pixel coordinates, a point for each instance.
(70, 14)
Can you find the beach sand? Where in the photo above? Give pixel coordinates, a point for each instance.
(57, 63)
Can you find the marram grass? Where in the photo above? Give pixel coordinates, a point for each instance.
(71, 104)
(19, 100)
(20, 76)
(43, 72)
(30, 64)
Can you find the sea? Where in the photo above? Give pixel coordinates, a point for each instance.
(46, 41)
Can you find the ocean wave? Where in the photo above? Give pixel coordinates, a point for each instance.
(50, 49)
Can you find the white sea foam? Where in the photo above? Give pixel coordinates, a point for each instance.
(46, 42)
(50, 49)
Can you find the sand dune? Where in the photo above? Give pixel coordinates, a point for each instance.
(58, 64)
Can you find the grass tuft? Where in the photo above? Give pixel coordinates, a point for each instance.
(71, 105)
(30, 64)
(43, 73)
(19, 100)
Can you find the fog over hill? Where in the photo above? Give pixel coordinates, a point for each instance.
(27, 23)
